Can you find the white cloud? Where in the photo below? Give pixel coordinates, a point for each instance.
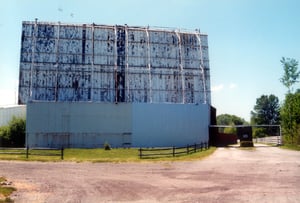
(221, 87)
(217, 88)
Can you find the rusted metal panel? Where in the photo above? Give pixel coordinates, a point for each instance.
(89, 62)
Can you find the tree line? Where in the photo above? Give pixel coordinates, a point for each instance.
(269, 111)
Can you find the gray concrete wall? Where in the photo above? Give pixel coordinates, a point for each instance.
(85, 124)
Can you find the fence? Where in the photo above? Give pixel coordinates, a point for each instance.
(33, 151)
(274, 140)
(171, 151)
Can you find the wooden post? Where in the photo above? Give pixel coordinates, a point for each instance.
(173, 151)
(27, 151)
(140, 150)
(195, 147)
(187, 149)
(62, 153)
(201, 145)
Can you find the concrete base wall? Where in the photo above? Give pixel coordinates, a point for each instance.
(90, 125)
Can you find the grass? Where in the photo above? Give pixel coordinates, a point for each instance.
(101, 155)
(34, 155)
(291, 147)
(5, 192)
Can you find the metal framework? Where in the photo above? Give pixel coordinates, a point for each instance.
(103, 63)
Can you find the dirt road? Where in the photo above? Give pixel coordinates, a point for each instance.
(266, 174)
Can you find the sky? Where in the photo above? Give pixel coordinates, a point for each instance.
(246, 38)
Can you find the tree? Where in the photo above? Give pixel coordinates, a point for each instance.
(13, 135)
(266, 110)
(17, 127)
(290, 118)
(290, 109)
(227, 119)
(291, 73)
(230, 120)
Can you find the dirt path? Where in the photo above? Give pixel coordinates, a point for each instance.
(266, 174)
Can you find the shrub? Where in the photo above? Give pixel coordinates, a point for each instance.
(107, 146)
(13, 135)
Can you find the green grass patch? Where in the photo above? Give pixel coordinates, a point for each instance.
(34, 155)
(291, 147)
(102, 155)
(5, 191)
(125, 155)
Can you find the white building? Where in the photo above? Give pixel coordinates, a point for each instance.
(8, 112)
(86, 84)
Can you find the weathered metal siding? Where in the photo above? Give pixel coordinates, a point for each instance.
(78, 124)
(88, 62)
(169, 124)
(89, 124)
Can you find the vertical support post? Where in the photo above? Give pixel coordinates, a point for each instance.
(149, 64)
(27, 152)
(181, 66)
(57, 62)
(201, 146)
(195, 147)
(126, 68)
(187, 149)
(202, 69)
(93, 56)
(280, 136)
(34, 35)
(140, 150)
(173, 151)
(62, 153)
(116, 66)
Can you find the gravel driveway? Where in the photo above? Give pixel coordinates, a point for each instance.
(265, 174)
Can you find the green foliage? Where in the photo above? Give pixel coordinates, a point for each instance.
(290, 118)
(259, 132)
(13, 135)
(291, 73)
(231, 120)
(291, 147)
(5, 191)
(227, 119)
(230, 130)
(107, 146)
(266, 110)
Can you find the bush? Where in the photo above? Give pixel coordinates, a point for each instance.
(107, 146)
(259, 132)
(13, 135)
(246, 144)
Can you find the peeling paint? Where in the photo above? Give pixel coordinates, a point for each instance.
(101, 63)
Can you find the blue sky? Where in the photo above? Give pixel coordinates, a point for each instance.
(247, 39)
